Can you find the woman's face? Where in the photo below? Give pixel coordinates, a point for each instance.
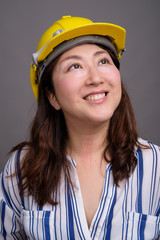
(87, 85)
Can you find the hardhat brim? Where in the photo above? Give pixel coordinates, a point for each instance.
(115, 32)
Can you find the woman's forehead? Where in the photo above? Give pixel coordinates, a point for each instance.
(83, 50)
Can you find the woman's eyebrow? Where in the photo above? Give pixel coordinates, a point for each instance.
(99, 52)
(76, 57)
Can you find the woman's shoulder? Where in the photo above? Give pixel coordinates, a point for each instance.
(148, 148)
(148, 157)
(9, 177)
(14, 162)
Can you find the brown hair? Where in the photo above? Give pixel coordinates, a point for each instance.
(45, 157)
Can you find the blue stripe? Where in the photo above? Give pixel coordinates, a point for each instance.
(140, 180)
(33, 224)
(66, 207)
(70, 214)
(11, 199)
(55, 231)
(102, 205)
(108, 211)
(157, 230)
(43, 225)
(3, 216)
(46, 225)
(30, 222)
(142, 226)
(37, 225)
(73, 162)
(131, 191)
(155, 173)
(132, 227)
(60, 216)
(13, 224)
(77, 219)
(19, 175)
(14, 205)
(151, 188)
(158, 209)
(39, 208)
(13, 189)
(126, 226)
(109, 225)
(153, 179)
(5, 192)
(124, 209)
(138, 227)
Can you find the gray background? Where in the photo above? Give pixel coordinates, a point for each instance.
(23, 22)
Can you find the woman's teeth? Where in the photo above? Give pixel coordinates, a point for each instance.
(95, 97)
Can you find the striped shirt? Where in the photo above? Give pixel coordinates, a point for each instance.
(130, 211)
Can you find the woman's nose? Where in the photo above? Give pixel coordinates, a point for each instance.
(94, 77)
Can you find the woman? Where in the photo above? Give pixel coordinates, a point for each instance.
(84, 173)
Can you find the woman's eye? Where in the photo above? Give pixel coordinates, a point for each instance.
(103, 61)
(74, 66)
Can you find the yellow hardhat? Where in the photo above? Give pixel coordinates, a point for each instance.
(66, 31)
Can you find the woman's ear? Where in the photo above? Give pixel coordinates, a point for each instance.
(52, 99)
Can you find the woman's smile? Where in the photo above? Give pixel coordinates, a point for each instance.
(96, 97)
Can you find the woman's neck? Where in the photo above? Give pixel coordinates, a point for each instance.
(86, 146)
